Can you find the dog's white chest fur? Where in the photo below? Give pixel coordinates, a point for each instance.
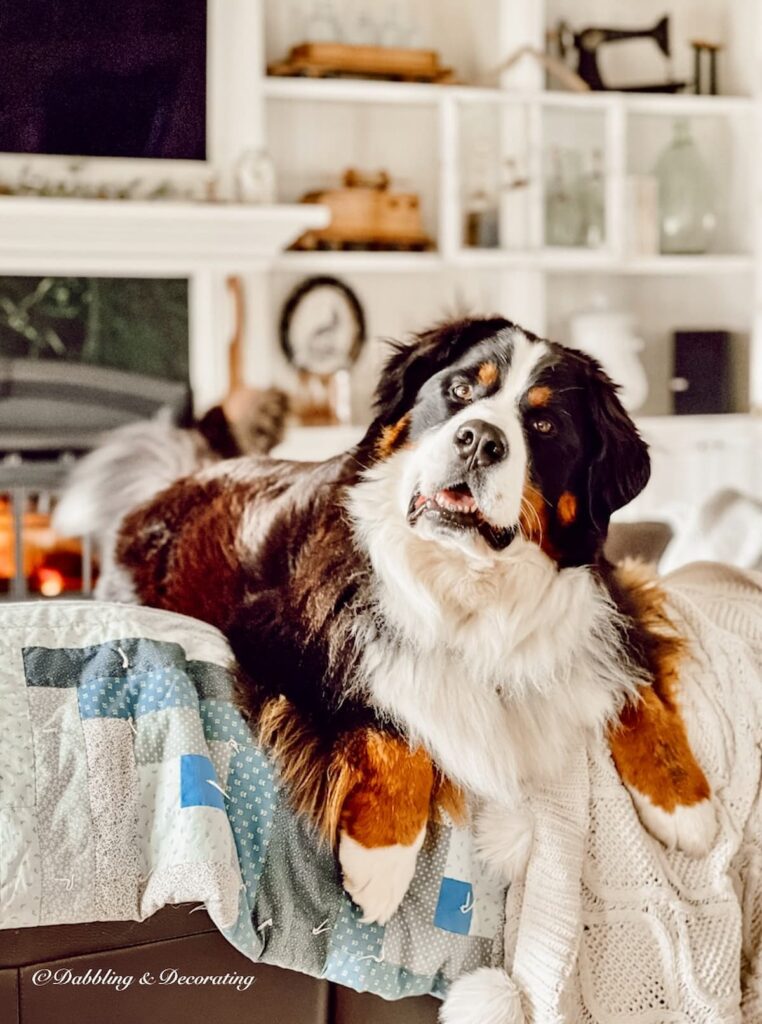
(498, 666)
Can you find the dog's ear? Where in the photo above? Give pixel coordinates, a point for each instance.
(410, 364)
(621, 466)
(402, 375)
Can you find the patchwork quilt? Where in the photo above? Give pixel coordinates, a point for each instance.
(128, 781)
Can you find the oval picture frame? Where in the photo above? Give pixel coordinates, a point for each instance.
(294, 349)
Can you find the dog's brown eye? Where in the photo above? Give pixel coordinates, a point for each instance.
(463, 392)
(542, 426)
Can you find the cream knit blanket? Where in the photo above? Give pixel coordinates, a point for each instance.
(610, 928)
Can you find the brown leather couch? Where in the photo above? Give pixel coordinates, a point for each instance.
(172, 938)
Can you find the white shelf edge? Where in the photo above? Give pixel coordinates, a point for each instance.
(316, 443)
(359, 262)
(358, 90)
(706, 419)
(655, 104)
(664, 105)
(350, 90)
(541, 259)
(545, 260)
(592, 261)
(710, 263)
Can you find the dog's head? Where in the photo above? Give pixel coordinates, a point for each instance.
(494, 433)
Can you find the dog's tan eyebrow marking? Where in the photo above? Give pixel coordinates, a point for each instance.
(539, 396)
(567, 508)
(488, 373)
(391, 436)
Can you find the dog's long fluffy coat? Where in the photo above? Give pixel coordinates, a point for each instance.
(439, 592)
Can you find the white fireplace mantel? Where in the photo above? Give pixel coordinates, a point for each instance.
(62, 236)
(124, 238)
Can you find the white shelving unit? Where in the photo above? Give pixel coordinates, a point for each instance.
(423, 134)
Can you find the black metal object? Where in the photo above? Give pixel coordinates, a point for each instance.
(702, 379)
(588, 42)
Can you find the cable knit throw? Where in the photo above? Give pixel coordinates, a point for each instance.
(608, 927)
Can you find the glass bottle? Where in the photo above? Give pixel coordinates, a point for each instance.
(514, 211)
(481, 221)
(593, 201)
(687, 217)
(564, 200)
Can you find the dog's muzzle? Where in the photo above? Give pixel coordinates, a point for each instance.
(453, 506)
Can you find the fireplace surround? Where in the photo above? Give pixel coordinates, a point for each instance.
(50, 415)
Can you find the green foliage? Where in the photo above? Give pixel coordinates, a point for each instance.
(137, 324)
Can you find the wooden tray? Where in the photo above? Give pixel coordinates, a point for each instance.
(331, 60)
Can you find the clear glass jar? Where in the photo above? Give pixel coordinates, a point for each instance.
(593, 193)
(687, 215)
(564, 200)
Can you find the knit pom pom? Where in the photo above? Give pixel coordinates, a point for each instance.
(488, 996)
(503, 838)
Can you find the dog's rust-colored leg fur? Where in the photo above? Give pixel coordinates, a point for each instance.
(370, 795)
(368, 783)
(649, 744)
(383, 819)
(390, 799)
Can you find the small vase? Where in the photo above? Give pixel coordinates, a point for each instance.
(609, 336)
(687, 217)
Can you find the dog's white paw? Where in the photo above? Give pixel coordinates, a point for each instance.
(691, 829)
(377, 877)
(503, 839)
(488, 996)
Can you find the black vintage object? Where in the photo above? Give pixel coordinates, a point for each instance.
(702, 380)
(588, 42)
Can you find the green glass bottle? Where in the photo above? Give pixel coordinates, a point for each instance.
(687, 214)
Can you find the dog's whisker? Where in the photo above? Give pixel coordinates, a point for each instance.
(530, 511)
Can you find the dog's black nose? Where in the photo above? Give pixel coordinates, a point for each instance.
(481, 444)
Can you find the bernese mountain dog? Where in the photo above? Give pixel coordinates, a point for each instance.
(431, 614)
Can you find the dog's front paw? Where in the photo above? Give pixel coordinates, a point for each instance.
(377, 877)
(691, 828)
(503, 839)
(488, 996)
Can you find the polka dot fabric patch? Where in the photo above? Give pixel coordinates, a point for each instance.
(168, 733)
(136, 694)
